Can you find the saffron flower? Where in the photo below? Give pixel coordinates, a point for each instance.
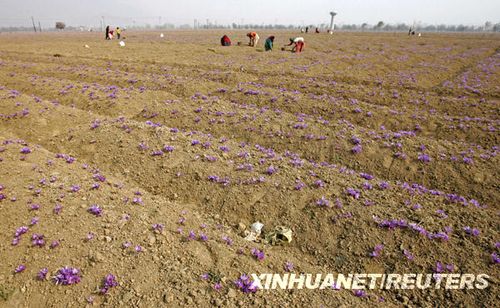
(495, 258)
(37, 240)
(288, 267)
(108, 282)
(168, 148)
(25, 150)
(67, 276)
(359, 293)
(57, 209)
(228, 240)
(356, 149)
(95, 210)
(408, 255)
(353, 193)
(378, 248)
(424, 158)
(271, 170)
(158, 228)
(258, 254)
(217, 286)
(19, 269)
(42, 274)
(471, 231)
(246, 284)
(323, 202)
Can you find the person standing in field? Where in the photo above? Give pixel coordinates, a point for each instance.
(118, 32)
(298, 44)
(268, 45)
(254, 38)
(225, 41)
(107, 33)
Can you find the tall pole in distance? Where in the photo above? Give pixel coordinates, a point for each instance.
(39, 27)
(331, 21)
(33, 21)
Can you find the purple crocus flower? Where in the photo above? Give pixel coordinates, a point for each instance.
(203, 237)
(34, 221)
(356, 149)
(353, 193)
(168, 148)
(38, 240)
(25, 150)
(228, 240)
(158, 227)
(245, 284)
(95, 210)
(359, 293)
(108, 282)
(495, 258)
(67, 276)
(57, 209)
(378, 248)
(42, 274)
(288, 267)
(408, 255)
(471, 231)
(424, 158)
(271, 170)
(258, 254)
(19, 269)
(217, 286)
(323, 202)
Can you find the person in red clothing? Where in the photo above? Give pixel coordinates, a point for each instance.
(298, 44)
(225, 41)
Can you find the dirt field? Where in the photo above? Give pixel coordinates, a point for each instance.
(150, 161)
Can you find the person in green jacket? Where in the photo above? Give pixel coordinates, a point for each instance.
(268, 45)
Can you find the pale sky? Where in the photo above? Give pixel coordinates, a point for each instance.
(126, 12)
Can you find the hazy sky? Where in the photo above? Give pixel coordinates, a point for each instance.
(126, 12)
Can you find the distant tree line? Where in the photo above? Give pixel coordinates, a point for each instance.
(380, 26)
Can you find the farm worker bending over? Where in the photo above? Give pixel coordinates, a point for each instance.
(298, 44)
(225, 41)
(254, 38)
(268, 45)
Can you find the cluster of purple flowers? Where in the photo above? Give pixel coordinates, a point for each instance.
(376, 251)
(323, 202)
(271, 170)
(158, 228)
(471, 231)
(38, 240)
(17, 236)
(67, 276)
(425, 158)
(95, 210)
(245, 284)
(258, 254)
(20, 268)
(353, 193)
(108, 282)
(357, 149)
(42, 274)
(25, 150)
